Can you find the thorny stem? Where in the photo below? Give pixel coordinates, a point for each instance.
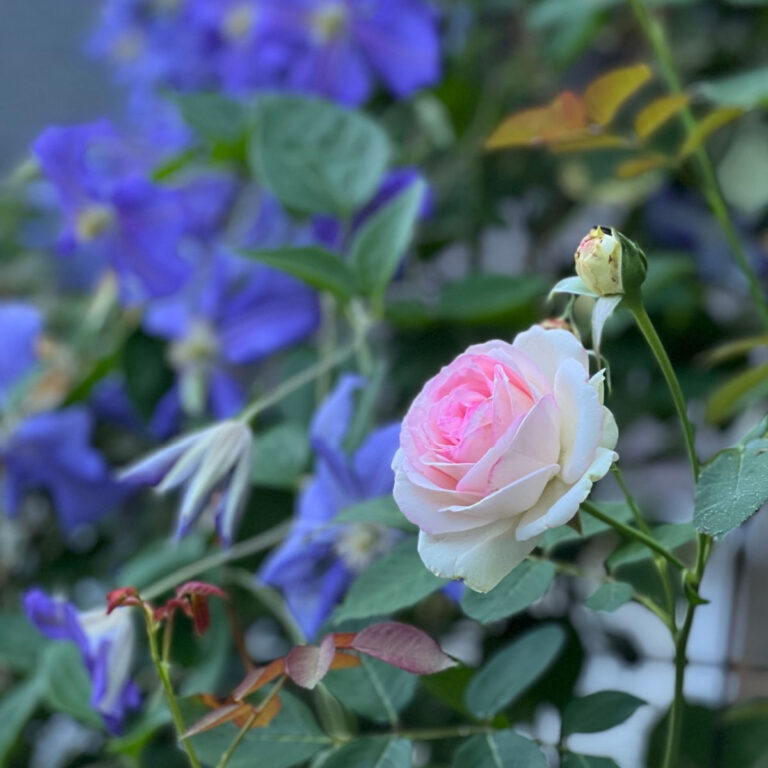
(225, 758)
(242, 549)
(634, 534)
(162, 671)
(654, 32)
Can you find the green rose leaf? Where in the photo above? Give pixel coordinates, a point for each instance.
(733, 485)
(396, 581)
(598, 712)
(317, 157)
(513, 669)
(610, 596)
(500, 749)
(67, 686)
(671, 535)
(372, 752)
(16, 707)
(374, 690)
(526, 584)
(572, 760)
(381, 510)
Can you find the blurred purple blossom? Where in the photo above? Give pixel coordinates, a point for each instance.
(107, 647)
(234, 312)
(112, 210)
(20, 328)
(336, 48)
(52, 452)
(318, 560)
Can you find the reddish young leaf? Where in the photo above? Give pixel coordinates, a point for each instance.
(343, 660)
(403, 646)
(201, 588)
(123, 596)
(307, 665)
(564, 119)
(605, 95)
(264, 715)
(258, 678)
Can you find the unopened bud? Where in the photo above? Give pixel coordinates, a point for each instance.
(609, 263)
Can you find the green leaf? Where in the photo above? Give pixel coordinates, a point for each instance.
(67, 684)
(290, 739)
(513, 669)
(374, 690)
(379, 245)
(572, 760)
(610, 596)
(671, 535)
(315, 266)
(590, 526)
(396, 581)
(500, 749)
(371, 752)
(379, 511)
(158, 559)
(280, 456)
(219, 121)
(16, 707)
(598, 712)
(485, 297)
(133, 742)
(745, 89)
(147, 375)
(317, 157)
(732, 486)
(526, 584)
(20, 643)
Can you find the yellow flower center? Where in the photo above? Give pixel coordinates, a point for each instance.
(329, 21)
(361, 543)
(197, 351)
(93, 221)
(238, 23)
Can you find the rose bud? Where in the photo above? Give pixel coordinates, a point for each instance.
(609, 263)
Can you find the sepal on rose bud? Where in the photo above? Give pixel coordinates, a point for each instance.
(609, 263)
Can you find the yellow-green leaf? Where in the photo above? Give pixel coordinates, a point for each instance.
(642, 164)
(655, 114)
(739, 390)
(711, 123)
(563, 119)
(589, 143)
(735, 348)
(605, 95)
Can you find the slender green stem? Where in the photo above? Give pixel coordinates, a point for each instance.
(661, 563)
(634, 534)
(302, 378)
(654, 31)
(162, 671)
(227, 756)
(242, 549)
(654, 342)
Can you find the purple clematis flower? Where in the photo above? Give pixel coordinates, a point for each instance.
(52, 452)
(336, 48)
(350, 44)
(113, 211)
(318, 560)
(20, 328)
(106, 644)
(233, 313)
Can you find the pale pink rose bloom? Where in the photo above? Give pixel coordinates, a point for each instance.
(502, 445)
